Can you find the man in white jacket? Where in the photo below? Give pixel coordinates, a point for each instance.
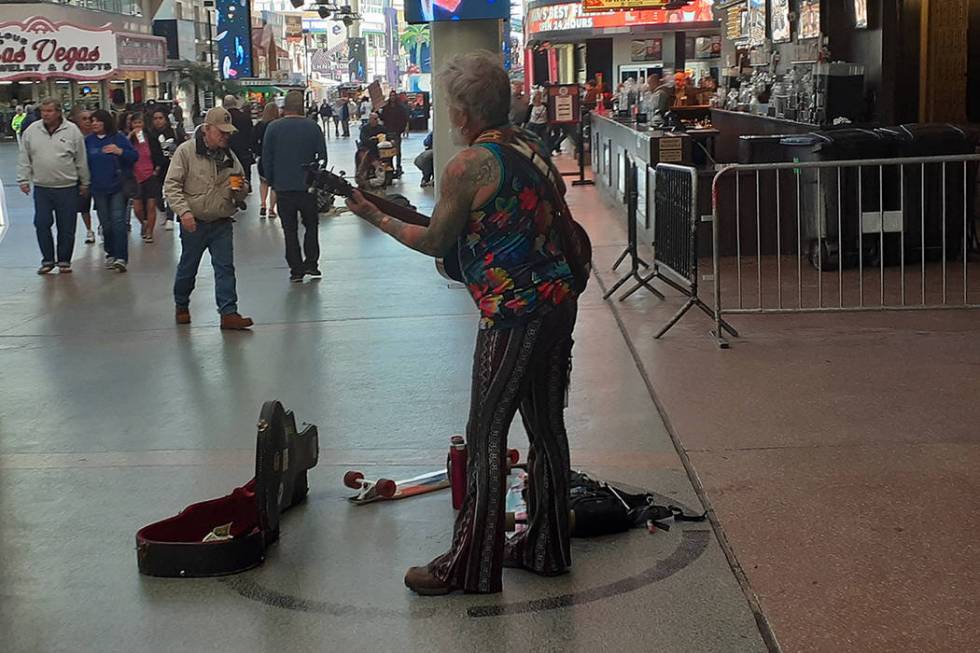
(52, 157)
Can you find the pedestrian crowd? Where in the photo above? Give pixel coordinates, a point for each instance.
(141, 164)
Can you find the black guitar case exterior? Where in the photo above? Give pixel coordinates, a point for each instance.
(175, 547)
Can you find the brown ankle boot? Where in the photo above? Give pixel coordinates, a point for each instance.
(235, 322)
(183, 315)
(422, 582)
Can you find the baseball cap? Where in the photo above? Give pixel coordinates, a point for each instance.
(230, 102)
(220, 118)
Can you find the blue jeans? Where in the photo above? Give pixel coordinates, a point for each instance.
(216, 238)
(111, 208)
(56, 206)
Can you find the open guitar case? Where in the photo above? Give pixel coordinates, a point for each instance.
(176, 547)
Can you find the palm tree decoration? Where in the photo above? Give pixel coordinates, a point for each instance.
(413, 38)
(194, 78)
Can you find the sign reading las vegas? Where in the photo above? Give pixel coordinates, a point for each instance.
(39, 49)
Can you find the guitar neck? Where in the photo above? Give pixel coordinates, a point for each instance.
(398, 211)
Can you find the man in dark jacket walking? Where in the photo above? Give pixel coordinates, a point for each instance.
(241, 141)
(394, 115)
(289, 144)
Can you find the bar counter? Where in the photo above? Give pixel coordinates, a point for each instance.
(734, 124)
(613, 141)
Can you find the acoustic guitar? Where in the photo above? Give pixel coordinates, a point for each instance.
(448, 267)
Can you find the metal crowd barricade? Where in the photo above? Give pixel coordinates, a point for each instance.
(675, 228)
(862, 235)
(632, 246)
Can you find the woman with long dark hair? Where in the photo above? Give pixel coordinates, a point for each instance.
(269, 113)
(169, 138)
(146, 170)
(110, 155)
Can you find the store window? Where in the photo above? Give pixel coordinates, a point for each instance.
(371, 7)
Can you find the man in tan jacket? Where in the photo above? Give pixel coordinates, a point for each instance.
(205, 186)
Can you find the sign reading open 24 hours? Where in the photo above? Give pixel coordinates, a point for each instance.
(39, 49)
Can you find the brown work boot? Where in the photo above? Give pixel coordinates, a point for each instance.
(421, 581)
(235, 322)
(183, 315)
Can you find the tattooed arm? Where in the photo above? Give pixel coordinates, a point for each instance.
(469, 181)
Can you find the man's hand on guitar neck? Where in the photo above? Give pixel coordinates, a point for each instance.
(469, 181)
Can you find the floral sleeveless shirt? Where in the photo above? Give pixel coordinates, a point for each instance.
(510, 252)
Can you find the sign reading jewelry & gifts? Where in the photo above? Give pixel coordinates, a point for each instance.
(40, 49)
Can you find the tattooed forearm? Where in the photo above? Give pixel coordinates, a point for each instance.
(469, 181)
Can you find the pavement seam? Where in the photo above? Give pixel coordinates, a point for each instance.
(762, 622)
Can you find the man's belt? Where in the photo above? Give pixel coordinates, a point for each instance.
(230, 534)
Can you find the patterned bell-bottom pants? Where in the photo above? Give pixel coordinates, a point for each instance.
(527, 369)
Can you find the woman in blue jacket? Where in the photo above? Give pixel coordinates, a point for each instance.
(110, 160)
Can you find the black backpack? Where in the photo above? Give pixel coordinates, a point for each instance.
(599, 508)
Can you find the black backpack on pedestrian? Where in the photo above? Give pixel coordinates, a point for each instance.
(600, 508)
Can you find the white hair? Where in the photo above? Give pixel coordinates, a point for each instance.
(477, 84)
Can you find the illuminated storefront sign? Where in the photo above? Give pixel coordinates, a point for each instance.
(573, 16)
(138, 52)
(41, 49)
(608, 5)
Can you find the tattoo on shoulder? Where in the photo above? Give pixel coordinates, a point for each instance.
(487, 172)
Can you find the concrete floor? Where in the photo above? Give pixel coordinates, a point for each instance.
(839, 454)
(112, 417)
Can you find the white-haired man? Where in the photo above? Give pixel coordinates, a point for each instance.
(205, 186)
(495, 213)
(52, 157)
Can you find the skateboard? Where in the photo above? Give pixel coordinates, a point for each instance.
(385, 489)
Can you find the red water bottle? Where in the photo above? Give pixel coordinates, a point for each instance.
(456, 467)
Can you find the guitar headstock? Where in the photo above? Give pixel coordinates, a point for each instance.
(331, 181)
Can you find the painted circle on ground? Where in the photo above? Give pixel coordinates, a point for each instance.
(691, 542)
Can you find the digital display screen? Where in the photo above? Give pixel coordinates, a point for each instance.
(861, 13)
(429, 11)
(234, 38)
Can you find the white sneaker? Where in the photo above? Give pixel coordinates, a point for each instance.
(109, 263)
(119, 265)
(168, 225)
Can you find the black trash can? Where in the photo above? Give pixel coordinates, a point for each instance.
(842, 207)
(928, 197)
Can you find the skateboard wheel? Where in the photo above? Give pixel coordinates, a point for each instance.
(353, 480)
(514, 456)
(386, 487)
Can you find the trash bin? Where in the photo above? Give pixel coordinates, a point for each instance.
(925, 189)
(762, 149)
(842, 207)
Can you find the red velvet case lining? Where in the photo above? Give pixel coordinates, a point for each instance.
(195, 521)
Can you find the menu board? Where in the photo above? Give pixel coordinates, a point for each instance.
(780, 23)
(647, 50)
(861, 14)
(757, 22)
(809, 19)
(736, 22)
(706, 47)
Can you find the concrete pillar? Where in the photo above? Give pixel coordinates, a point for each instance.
(449, 39)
